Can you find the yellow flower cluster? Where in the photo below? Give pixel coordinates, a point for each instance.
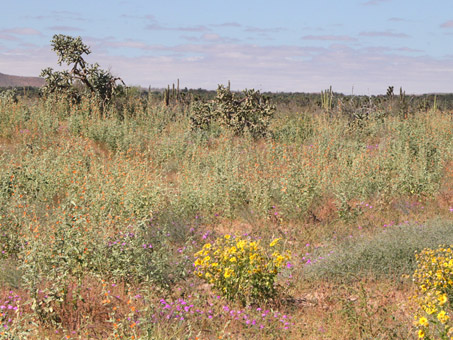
(240, 268)
(434, 280)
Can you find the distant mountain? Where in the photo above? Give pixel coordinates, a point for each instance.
(7, 81)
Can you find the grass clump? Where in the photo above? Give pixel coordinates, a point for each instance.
(390, 253)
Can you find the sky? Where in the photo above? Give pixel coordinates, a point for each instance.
(355, 46)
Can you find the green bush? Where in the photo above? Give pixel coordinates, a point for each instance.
(240, 268)
(145, 253)
(250, 112)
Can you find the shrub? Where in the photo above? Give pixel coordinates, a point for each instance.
(250, 113)
(143, 254)
(434, 280)
(240, 269)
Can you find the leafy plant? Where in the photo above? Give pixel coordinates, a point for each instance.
(251, 112)
(240, 269)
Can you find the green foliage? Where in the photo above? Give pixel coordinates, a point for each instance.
(295, 128)
(71, 51)
(250, 112)
(240, 269)
(145, 253)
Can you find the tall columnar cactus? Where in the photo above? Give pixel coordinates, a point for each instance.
(403, 104)
(326, 99)
(167, 96)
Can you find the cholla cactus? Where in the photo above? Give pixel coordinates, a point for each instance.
(247, 112)
(99, 83)
(9, 96)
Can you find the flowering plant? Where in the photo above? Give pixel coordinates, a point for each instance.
(434, 280)
(240, 268)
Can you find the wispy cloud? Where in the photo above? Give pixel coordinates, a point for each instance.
(374, 2)
(329, 37)
(396, 19)
(253, 29)
(208, 37)
(275, 68)
(408, 49)
(21, 31)
(386, 34)
(159, 27)
(447, 24)
(269, 68)
(190, 38)
(127, 44)
(146, 17)
(212, 37)
(60, 16)
(227, 24)
(65, 28)
(8, 37)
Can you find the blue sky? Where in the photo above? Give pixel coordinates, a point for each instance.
(359, 46)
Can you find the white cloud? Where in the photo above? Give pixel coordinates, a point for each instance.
(274, 68)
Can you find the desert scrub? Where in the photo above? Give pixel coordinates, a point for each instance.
(240, 268)
(147, 253)
(434, 280)
(250, 112)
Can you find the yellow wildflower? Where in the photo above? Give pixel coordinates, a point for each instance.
(442, 299)
(274, 242)
(443, 317)
(227, 273)
(423, 321)
(240, 244)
